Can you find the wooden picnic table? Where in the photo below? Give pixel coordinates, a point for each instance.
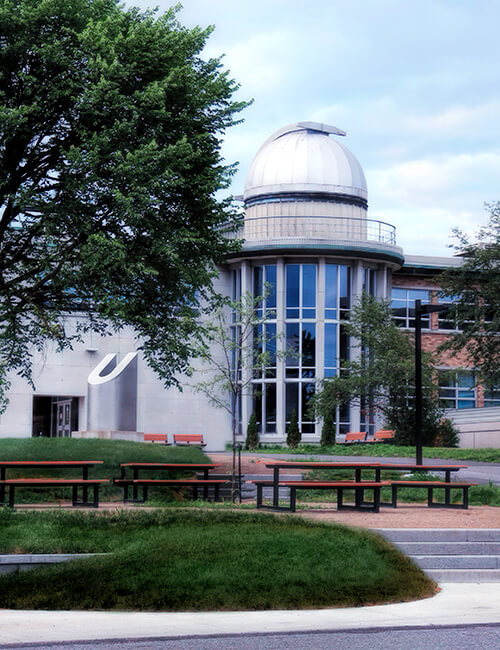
(358, 468)
(136, 467)
(84, 482)
(276, 466)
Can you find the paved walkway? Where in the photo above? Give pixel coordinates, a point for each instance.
(456, 604)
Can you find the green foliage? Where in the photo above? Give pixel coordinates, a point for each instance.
(477, 310)
(385, 449)
(292, 431)
(381, 374)
(110, 162)
(160, 561)
(328, 432)
(447, 434)
(252, 439)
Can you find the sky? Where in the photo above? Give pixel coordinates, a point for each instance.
(416, 86)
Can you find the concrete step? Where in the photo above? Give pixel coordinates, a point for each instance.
(440, 534)
(457, 561)
(449, 548)
(451, 555)
(464, 575)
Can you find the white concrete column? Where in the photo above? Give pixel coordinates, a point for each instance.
(246, 372)
(281, 347)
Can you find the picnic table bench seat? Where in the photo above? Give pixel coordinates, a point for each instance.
(14, 483)
(359, 488)
(145, 483)
(447, 486)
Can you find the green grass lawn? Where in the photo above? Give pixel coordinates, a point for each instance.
(188, 560)
(487, 455)
(111, 452)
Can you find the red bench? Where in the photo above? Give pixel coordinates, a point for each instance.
(193, 439)
(156, 437)
(74, 483)
(353, 437)
(383, 434)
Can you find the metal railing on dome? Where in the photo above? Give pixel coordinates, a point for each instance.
(317, 227)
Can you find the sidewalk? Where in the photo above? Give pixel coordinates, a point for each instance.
(456, 604)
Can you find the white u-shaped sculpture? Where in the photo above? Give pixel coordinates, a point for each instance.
(112, 394)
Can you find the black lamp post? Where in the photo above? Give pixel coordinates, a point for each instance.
(419, 311)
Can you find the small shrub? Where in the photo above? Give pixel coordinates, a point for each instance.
(447, 434)
(327, 433)
(292, 431)
(252, 440)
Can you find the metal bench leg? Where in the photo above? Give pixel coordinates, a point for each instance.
(195, 492)
(96, 495)
(340, 492)
(465, 496)
(11, 496)
(216, 492)
(74, 496)
(259, 496)
(394, 496)
(447, 496)
(376, 499)
(293, 498)
(429, 497)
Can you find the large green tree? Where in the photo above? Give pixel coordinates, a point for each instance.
(475, 287)
(110, 161)
(380, 376)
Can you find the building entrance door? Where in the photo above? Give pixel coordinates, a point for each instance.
(63, 419)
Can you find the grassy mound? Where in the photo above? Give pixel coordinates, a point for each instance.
(185, 560)
(112, 452)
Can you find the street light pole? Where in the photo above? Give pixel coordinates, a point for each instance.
(418, 382)
(419, 310)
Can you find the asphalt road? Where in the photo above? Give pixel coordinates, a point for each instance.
(481, 473)
(471, 637)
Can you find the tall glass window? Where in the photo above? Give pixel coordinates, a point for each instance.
(300, 333)
(403, 306)
(457, 390)
(265, 338)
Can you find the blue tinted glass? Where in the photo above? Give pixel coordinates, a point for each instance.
(271, 343)
(292, 344)
(309, 285)
(398, 293)
(292, 285)
(308, 345)
(345, 287)
(292, 313)
(258, 281)
(331, 313)
(308, 313)
(271, 285)
(465, 379)
(418, 294)
(307, 395)
(465, 404)
(270, 405)
(331, 271)
(292, 401)
(330, 345)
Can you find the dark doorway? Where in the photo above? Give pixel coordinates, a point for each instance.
(54, 416)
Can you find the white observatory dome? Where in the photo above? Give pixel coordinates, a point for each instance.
(303, 158)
